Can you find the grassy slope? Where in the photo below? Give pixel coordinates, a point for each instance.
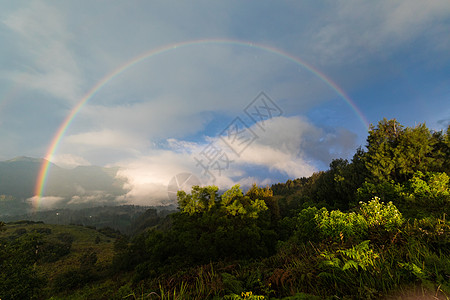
(84, 240)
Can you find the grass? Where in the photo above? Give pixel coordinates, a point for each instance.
(84, 240)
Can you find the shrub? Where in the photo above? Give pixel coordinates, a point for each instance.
(307, 226)
(340, 225)
(378, 214)
(66, 238)
(428, 194)
(20, 231)
(52, 251)
(313, 223)
(434, 232)
(72, 279)
(44, 230)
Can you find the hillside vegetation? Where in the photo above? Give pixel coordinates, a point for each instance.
(40, 259)
(375, 227)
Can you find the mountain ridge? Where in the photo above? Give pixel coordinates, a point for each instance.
(90, 185)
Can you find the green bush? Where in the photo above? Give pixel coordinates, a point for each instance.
(72, 279)
(51, 251)
(307, 225)
(385, 190)
(18, 276)
(313, 223)
(428, 193)
(435, 232)
(339, 225)
(231, 284)
(422, 195)
(378, 214)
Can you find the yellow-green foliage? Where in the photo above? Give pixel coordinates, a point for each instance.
(200, 199)
(358, 256)
(245, 296)
(339, 225)
(233, 201)
(428, 189)
(376, 213)
(336, 224)
(236, 204)
(419, 196)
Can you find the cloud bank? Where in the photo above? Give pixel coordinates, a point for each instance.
(288, 148)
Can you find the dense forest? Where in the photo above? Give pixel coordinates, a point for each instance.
(373, 227)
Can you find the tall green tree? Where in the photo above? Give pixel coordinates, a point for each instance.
(441, 151)
(395, 153)
(200, 199)
(207, 228)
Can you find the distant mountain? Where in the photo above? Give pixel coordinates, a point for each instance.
(26, 159)
(83, 186)
(18, 176)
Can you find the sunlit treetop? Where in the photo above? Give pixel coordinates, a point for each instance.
(233, 202)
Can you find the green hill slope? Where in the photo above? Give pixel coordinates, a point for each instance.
(61, 253)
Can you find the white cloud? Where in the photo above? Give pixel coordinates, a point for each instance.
(285, 147)
(407, 18)
(148, 176)
(275, 159)
(106, 139)
(280, 146)
(101, 147)
(95, 198)
(171, 116)
(47, 202)
(69, 161)
(292, 145)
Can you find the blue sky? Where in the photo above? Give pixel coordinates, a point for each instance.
(392, 58)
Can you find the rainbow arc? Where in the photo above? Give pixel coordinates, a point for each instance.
(44, 170)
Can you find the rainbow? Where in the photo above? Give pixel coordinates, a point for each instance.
(43, 172)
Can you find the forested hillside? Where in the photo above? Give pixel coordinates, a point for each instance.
(373, 227)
